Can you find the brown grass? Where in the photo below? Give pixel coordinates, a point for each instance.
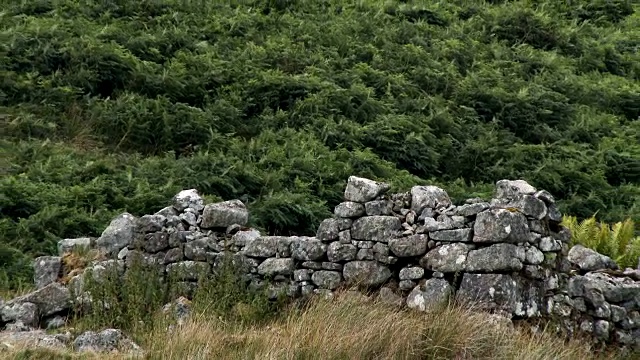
(348, 328)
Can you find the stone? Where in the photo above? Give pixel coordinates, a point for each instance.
(553, 213)
(513, 189)
(262, 247)
(26, 313)
(587, 259)
(46, 270)
(618, 313)
(341, 252)
(244, 237)
(498, 257)
(50, 299)
(365, 254)
(533, 256)
(389, 297)
(154, 242)
(500, 225)
(307, 248)
(406, 285)
(415, 245)
(106, 341)
(349, 209)
(168, 212)
(344, 237)
(55, 322)
(173, 255)
(448, 258)
(189, 218)
(302, 274)
(379, 207)
(151, 223)
(548, 244)
(375, 228)
(119, 234)
(367, 273)
(327, 279)
(428, 197)
(362, 190)
(497, 292)
(472, 209)
(178, 310)
(188, 199)
(70, 245)
(432, 295)
(526, 204)
(32, 339)
(328, 230)
(602, 329)
(188, 270)
(457, 235)
(224, 214)
(312, 265)
(411, 273)
(276, 266)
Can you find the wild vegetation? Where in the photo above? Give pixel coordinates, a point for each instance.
(112, 106)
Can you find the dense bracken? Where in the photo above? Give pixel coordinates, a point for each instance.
(111, 106)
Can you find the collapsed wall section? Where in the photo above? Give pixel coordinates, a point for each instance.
(507, 255)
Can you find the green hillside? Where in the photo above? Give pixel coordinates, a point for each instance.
(112, 106)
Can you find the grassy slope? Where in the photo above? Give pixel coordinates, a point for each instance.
(108, 108)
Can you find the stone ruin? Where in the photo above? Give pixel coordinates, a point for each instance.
(508, 255)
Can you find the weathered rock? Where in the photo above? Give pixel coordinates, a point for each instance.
(106, 341)
(457, 235)
(387, 296)
(307, 248)
(224, 214)
(25, 313)
(118, 235)
(179, 309)
(33, 339)
(328, 230)
(349, 209)
(498, 257)
(341, 252)
(55, 322)
(411, 273)
(50, 299)
(151, 223)
(375, 228)
(197, 249)
(379, 207)
(415, 245)
(534, 256)
(362, 190)
(154, 242)
(548, 244)
(589, 260)
(368, 273)
(489, 291)
(276, 266)
(428, 197)
(173, 255)
(244, 237)
(472, 209)
(69, 245)
(262, 247)
(188, 199)
(434, 294)
(46, 270)
(513, 189)
(302, 274)
(499, 225)
(446, 258)
(327, 279)
(188, 270)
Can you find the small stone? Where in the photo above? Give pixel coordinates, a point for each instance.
(224, 214)
(312, 265)
(365, 254)
(428, 197)
(368, 273)
(341, 252)
(331, 266)
(276, 266)
(405, 285)
(188, 199)
(434, 294)
(46, 270)
(415, 245)
(151, 223)
(387, 296)
(534, 256)
(349, 209)
(327, 279)
(328, 230)
(362, 190)
(411, 273)
(379, 207)
(307, 248)
(549, 244)
(302, 275)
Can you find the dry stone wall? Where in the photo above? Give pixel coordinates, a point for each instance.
(508, 255)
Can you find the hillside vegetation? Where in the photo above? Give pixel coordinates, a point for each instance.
(112, 106)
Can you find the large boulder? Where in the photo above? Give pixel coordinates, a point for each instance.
(118, 235)
(587, 259)
(496, 258)
(50, 299)
(186, 199)
(500, 225)
(415, 245)
(448, 258)
(367, 273)
(106, 341)
(362, 190)
(434, 294)
(46, 270)
(428, 197)
(224, 214)
(376, 228)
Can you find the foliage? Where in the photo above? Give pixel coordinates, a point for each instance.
(617, 241)
(115, 106)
